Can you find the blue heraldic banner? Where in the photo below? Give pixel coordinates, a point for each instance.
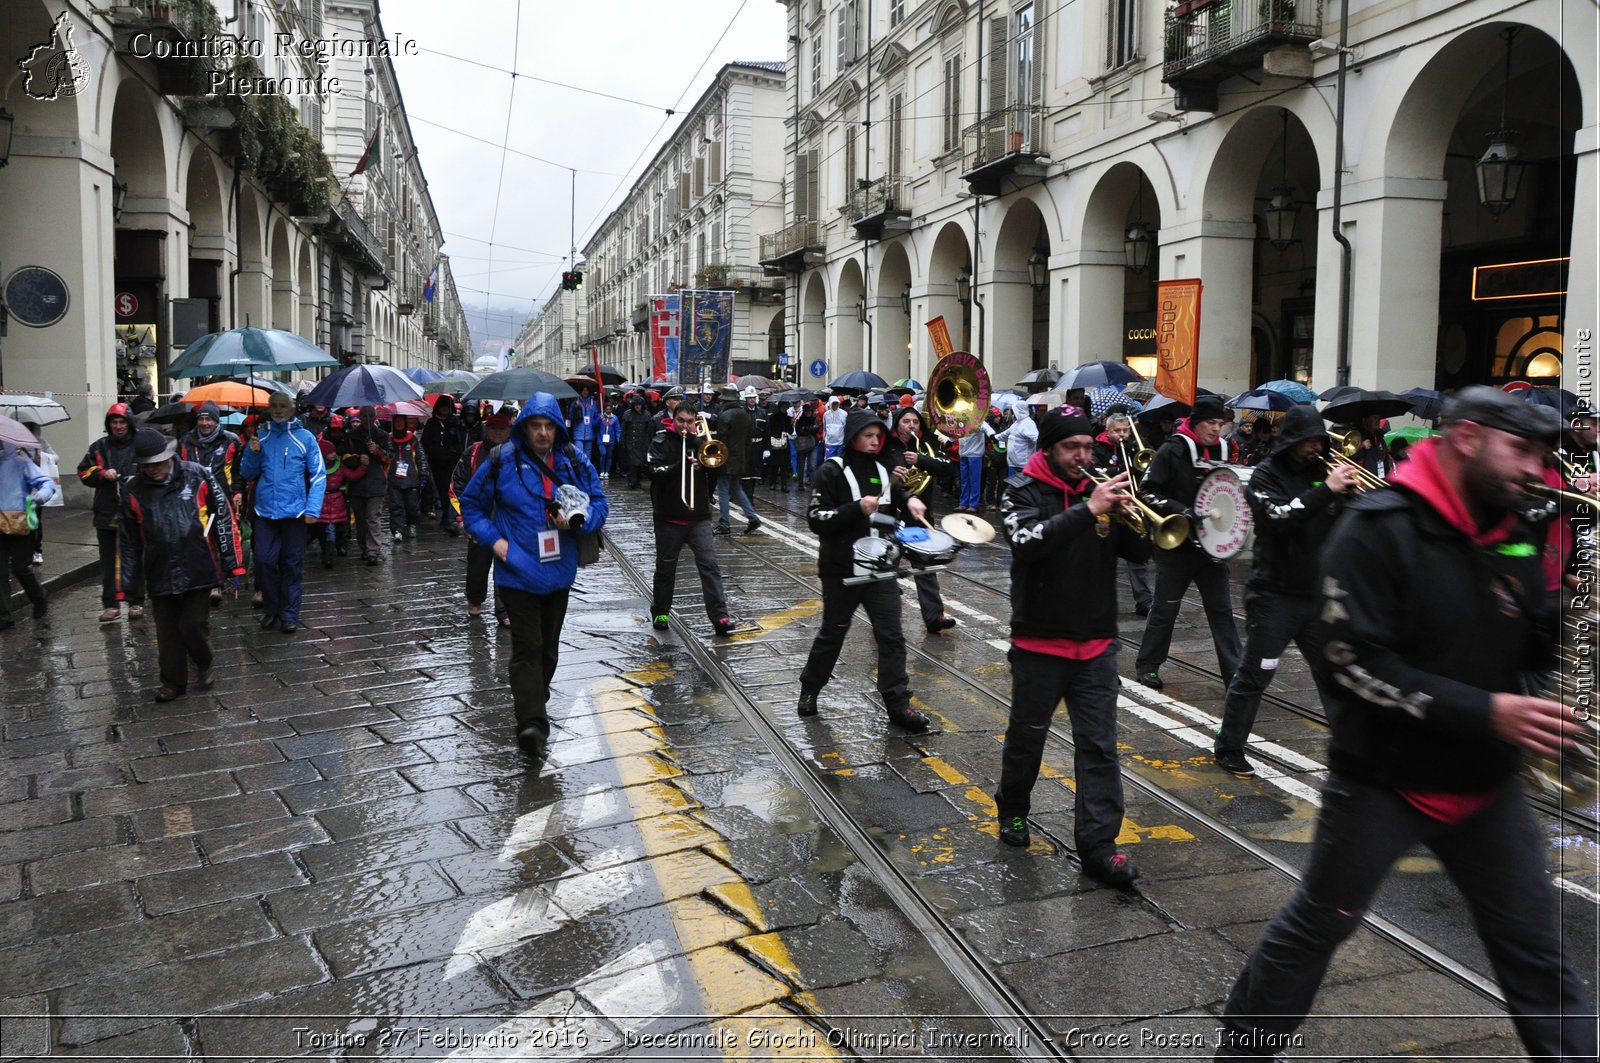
(705, 337)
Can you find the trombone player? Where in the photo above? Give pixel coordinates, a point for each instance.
(680, 500)
(918, 465)
(1112, 454)
(1066, 532)
(1295, 495)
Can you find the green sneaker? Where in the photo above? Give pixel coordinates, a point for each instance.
(661, 622)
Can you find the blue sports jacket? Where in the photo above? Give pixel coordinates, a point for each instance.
(290, 479)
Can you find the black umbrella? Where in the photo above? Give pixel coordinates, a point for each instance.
(1560, 400)
(1425, 402)
(1039, 380)
(1096, 374)
(858, 380)
(793, 395)
(1349, 409)
(518, 385)
(168, 414)
(1162, 408)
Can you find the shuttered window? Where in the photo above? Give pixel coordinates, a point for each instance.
(952, 102)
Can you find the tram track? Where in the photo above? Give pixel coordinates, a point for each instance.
(1580, 819)
(972, 971)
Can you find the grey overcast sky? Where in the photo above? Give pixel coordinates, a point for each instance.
(458, 90)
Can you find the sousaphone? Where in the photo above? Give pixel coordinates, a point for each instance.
(958, 395)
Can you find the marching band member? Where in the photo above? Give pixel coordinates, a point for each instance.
(1295, 498)
(1064, 548)
(907, 449)
(1111, 457)
(1433, 609)
(1169, 486)
(850, 489)
(680, 497)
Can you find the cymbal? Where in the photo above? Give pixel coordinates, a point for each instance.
(966, 528)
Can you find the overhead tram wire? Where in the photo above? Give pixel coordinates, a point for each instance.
(505, 140)
(507, 147)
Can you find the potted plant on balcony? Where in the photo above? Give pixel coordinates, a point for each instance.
(713, 275)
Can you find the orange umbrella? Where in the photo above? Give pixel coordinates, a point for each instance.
(227, 393)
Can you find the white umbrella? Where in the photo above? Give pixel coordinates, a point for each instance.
(33, 409)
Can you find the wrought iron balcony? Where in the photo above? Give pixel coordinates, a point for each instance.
(354, 235)
(1208, 41)
(793, 248)
(164, 33)
(1006, 143)
(880, 206)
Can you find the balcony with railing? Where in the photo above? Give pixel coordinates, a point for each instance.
(1208, 41)
(878, 207)
(1006, 143)
(162, 32)
(793, 248)
(353, 235)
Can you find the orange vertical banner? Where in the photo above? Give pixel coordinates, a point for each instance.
(939, 336)
(1178, 339)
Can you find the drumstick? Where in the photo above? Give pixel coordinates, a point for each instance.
(925, 523)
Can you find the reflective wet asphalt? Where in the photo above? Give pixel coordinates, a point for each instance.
(338, 853)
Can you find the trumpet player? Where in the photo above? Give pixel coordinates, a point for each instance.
(1295, 496)
(680, 501)
(917, 464)
(1433, 607)
(1065, 541)
(1114, 450)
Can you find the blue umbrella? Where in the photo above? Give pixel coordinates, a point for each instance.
(1560, 400)
(858, 380)
(231, 353)
(422, 374)
(907, 384)
(1103, 400)
(1096, 374)
(363, 385)
(1296, 391)
(1261, 399)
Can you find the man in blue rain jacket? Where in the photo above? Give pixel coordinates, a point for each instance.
(511, 503)
(286, 464)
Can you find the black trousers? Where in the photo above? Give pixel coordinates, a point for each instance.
(1039, 681)
(1271, 621)
(405, 508)
(881, 600)
(536, 621)
(480, 560)
(1495, 857)
(440, 472)
(1175, 570)
(17, 561)
(111, 570)
(670, 541)
(183, 634)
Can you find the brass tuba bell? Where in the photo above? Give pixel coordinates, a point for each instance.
(958, 394)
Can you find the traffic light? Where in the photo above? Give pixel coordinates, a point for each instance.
(572, 280)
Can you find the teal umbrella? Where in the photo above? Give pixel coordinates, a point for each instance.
(239, 351)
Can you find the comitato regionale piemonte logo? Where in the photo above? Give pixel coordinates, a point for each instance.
(55, 69)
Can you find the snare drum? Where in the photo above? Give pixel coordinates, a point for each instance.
(927, 547)
(875, 557)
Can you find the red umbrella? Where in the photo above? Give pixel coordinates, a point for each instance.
(408, 408)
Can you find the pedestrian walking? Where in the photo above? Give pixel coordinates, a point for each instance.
(855, 497)
(405, 479)
(610, 437)
(332, 530)
(23, 487)
(1065, 540)
(368, 445)
(444, 437)
(833, 429)
(639, 426)
(510, 504)
(480, 556)
(286, 465)
(733, 430)
(806, 449)
(780, 464)
(213, 446)
(1169, 486)
(1434, 608)
(973, 448)
(177, 539)
(108, 463)
(680, 495)
(585, 423)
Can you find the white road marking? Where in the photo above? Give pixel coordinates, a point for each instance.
(500, 927)
(591, 891)
(1272, 776)
(562, 817)
(642, 984)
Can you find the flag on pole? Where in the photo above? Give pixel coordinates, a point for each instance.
(1178, 339)
(372, 156)
(427, 285)
(664, 314)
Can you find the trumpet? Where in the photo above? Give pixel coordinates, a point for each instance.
(1170, 531)
(713, 454)
(1143, 456)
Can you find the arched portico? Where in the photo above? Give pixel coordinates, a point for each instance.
(891, 325)
(1104, 296)
(946, 277)
(845, 327)
(1018, 309)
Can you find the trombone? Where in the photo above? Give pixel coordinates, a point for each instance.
(1143, 456)
(1171, 530)
(1545, 493)
(1346, 444)
(713, 454)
